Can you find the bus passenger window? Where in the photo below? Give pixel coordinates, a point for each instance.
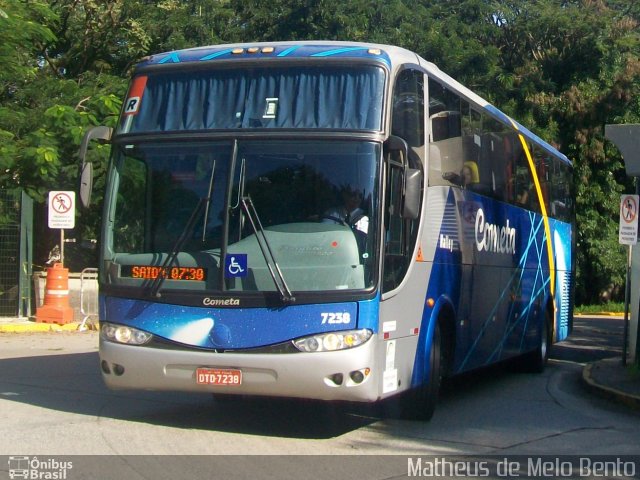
(408, 108)
(446, 157)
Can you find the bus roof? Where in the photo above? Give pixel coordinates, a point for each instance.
(281, 50)
(391, 56)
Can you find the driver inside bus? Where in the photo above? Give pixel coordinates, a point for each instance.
(350, 212)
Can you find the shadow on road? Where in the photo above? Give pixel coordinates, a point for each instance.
(72, 383)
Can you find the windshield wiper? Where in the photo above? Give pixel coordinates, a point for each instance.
(267, 253)
(209, 195)
(175, 250)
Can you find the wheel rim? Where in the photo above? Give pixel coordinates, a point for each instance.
(543, 341)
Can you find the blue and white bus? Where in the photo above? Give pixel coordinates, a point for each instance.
(326, 220)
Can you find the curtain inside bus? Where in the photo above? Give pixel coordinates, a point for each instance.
(330, 97)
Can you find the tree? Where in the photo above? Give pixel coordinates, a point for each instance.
(19, 66)
(568, 69)
(563, 68)
(44, 112)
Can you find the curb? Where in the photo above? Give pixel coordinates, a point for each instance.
(40, 327)
(627, 399)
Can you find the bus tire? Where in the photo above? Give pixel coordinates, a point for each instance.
(420, 403)
(535, 361)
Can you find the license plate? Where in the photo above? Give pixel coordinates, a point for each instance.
(218, 376)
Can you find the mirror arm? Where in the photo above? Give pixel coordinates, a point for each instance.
(95, 133)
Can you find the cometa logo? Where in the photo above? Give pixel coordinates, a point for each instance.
(221, 302)
(494, 238)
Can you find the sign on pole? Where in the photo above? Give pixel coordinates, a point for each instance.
(628, 234)
(62, 210)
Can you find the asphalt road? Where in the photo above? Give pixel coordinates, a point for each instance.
(593, 338)
(53, 404)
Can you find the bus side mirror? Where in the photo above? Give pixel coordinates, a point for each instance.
(412, 193)
(86, 183)
(86, 172)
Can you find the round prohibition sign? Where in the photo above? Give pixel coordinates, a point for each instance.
(629, 209)
(62, 203)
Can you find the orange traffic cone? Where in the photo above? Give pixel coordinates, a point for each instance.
(56, 307)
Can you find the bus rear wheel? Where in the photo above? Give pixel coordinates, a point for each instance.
(535, 361)
(420, 403)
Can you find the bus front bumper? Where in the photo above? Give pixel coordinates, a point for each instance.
(320, 375)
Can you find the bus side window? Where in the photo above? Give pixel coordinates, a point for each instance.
(395, 262)
(476, 152)
(400, 233)
(446, 158)
(493, 157)
(408, 108)
(561, 191)
(525, 194)
(542, 162)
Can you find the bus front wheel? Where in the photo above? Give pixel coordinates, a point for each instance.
(420, 402)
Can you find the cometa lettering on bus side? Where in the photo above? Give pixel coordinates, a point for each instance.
(494, 238)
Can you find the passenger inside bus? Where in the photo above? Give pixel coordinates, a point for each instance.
(470, 174)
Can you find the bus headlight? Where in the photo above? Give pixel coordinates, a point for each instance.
(332, 341)
(123, 334)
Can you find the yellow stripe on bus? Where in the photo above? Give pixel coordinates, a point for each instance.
(543, 208)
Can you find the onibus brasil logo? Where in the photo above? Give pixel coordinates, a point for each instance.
(41, 469)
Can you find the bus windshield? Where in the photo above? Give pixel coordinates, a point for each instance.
(292, 97)
(180, 213)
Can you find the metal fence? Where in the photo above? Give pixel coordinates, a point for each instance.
(16, 250)
(89, 298)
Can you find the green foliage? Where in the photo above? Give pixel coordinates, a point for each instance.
(604, 308)
(44, 127)
(97, 36)
(22, 28)
(562, 68)
(567, 69)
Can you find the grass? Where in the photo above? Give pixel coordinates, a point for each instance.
(611, 307)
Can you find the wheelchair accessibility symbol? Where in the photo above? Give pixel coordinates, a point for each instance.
(235, 265)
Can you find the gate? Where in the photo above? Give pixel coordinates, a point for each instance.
(16, 252)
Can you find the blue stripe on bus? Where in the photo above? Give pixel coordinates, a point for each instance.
(288, 51)
(337, 51)
(172, 57)
(521, 296)
(213, 55)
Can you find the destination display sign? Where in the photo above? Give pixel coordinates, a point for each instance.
(147, 272)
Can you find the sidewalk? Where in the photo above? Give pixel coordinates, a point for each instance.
(609, 378)
(613, 380)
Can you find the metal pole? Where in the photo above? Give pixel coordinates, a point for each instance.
(62, 246)
(637, 359)
(627, 295)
